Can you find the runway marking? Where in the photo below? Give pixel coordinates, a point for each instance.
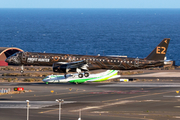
(100, 112)
(142, 86)
(120, 92)
(77, 96)
(33, 104)
(171, 96)
(120, 116)
(137, 96)
(101, 106)
(176, 116)
(177, 106)
(49, 110)
(111, 104)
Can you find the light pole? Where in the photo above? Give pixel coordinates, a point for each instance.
(27, 109)
(59, 101)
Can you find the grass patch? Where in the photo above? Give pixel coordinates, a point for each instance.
(130, 72)
(18, 68)
(10, 79)
(8, 68)
(27, 74)
(32, 80)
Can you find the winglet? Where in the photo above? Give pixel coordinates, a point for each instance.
(160, 51)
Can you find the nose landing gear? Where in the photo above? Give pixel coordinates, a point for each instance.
(22, 69)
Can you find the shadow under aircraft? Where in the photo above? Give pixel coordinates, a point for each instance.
(64, 63)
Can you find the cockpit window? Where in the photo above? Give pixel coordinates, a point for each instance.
(16, 54)
(47, 77)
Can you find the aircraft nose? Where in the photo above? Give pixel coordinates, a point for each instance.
(44, 80)
(7, 60)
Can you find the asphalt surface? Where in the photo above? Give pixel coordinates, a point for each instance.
(155, 99)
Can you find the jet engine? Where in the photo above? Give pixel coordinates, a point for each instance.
(60, 67)
(64, 67)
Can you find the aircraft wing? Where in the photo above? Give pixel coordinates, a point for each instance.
(76, 66)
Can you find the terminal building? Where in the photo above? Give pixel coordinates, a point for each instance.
(5, 52)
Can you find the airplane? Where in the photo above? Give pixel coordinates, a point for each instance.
(64, 63)
(73, 78)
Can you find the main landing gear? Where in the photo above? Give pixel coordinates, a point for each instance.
(86, 74)
(22, 69)
(80, 75)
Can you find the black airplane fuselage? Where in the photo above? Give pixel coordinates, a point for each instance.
(154, 59)
(94, 62)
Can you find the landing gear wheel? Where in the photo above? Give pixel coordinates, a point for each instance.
(22, 71)
(86, 74)
(80, 75)
(65, 76)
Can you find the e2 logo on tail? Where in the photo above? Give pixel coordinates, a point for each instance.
(160, 50)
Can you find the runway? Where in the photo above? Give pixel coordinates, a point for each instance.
(102, 101)
(150, 97)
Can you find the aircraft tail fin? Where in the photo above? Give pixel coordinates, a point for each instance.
(160, 51)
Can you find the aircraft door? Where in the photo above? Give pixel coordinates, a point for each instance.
(24, 57)
(136, 62)
(71, 58)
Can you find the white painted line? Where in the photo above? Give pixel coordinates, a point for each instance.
(33, 104)
(100, 112)
(151, 100)
(105, 105)
(40, 102)
(141, 85)
(176, 116)
(177, 106)
(171, 96)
